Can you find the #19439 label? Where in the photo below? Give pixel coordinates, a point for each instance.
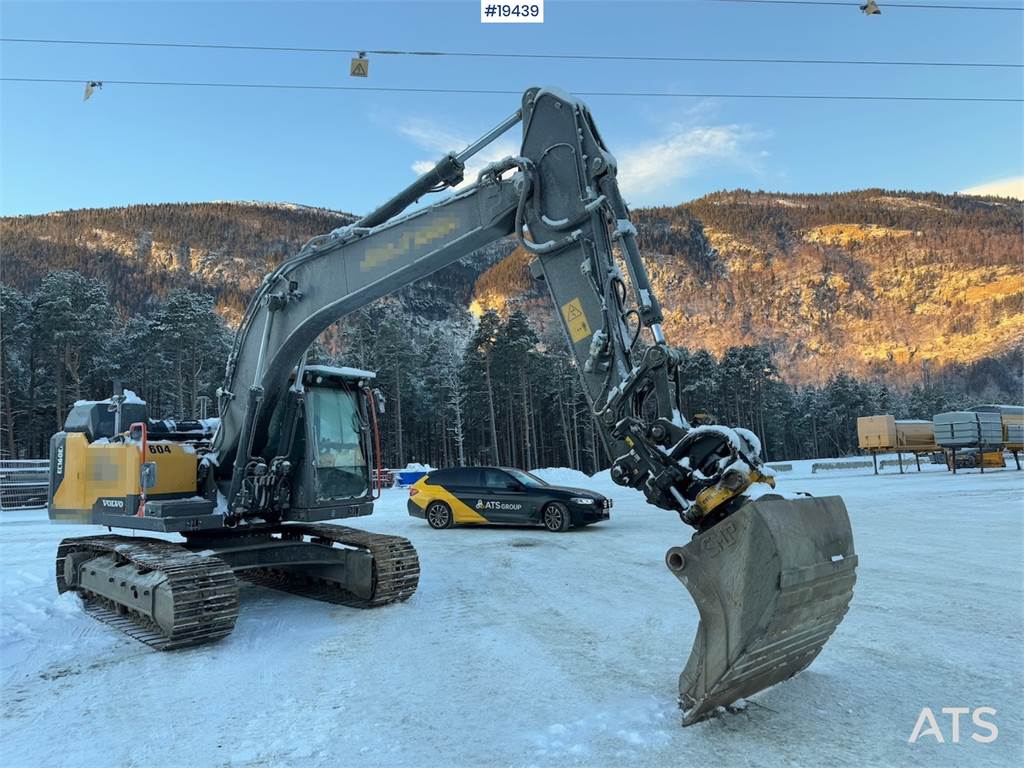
(512, 13)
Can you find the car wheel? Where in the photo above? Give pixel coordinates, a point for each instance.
(439, 515)
(556, 517)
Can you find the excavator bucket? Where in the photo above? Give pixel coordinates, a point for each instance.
(771, 582)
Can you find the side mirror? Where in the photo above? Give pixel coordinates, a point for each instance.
(380, 400)
(147, 476)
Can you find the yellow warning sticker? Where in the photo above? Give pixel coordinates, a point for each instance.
(576, 321)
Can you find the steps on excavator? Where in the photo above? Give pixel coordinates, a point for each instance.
(771, 583)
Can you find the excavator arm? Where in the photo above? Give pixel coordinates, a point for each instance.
(772, 578)
(560, 198)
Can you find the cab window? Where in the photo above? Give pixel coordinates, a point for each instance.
(338, 454)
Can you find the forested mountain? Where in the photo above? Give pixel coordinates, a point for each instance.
(221, 249)
(874, 283)
(799, 313)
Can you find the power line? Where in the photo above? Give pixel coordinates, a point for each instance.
(498, 92)
(492, 55)
(884, 4)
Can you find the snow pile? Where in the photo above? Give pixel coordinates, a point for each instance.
(571, 478)
(413, 466)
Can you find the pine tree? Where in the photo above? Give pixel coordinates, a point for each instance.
(477, 364)
(194, 341)
(73, 323)
(15, 319)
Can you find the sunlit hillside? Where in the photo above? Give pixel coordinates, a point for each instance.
(871, 282)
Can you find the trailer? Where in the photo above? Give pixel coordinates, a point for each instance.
(887, 434)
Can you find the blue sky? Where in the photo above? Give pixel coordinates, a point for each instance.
(349, 151)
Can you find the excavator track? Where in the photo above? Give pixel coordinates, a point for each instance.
(203, 590)
(396, 568)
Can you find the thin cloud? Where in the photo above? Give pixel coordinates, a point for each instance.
(654, 166)
(645, 171)
(1009, 187)
(440, 141)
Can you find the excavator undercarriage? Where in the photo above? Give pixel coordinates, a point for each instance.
(772, 578)
(171, 595)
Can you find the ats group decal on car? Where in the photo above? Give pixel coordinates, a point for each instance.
(481, 504)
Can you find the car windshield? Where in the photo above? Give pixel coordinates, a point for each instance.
(530, 481)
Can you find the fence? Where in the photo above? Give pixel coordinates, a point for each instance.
(385, 477)
(23, 483)
(820, 466)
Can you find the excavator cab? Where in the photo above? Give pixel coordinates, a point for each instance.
(326, 429)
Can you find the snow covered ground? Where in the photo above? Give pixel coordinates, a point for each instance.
(524, 648)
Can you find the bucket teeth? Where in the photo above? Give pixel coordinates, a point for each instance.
(771, 583)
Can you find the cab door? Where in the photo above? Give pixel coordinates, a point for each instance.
(336, 444)
(508, 501)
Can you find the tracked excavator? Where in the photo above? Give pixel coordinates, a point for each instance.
(295, 445)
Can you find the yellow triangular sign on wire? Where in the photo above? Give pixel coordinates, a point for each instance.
(359, 68)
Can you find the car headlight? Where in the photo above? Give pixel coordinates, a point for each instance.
(581, 500)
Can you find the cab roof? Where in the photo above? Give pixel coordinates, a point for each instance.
(340, 372)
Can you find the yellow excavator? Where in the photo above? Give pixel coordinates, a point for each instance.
(296, 444)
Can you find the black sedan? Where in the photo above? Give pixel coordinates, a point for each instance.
(481, 495)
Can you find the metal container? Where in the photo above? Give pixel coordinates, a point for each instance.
(1013, 423)
(876, 432)
(1014, 436)
(917, 435)
(968, 429)
(1010, 414)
